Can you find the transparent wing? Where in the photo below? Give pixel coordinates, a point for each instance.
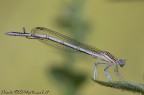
(54, 34)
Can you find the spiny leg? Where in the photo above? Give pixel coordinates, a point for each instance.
(95, 69)
(106, 72)
(117, 73)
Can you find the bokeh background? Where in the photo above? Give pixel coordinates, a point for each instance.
(116, 26)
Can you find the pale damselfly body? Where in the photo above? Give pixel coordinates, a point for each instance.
(46, 35)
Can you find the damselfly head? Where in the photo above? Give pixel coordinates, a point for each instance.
(121, 62)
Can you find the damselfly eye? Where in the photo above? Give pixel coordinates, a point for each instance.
(121, 62)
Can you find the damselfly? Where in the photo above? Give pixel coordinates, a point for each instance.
(46, 35)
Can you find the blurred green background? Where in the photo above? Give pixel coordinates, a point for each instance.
(112, 25)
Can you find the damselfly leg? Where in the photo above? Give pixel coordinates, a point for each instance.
(117, 73)
(95, 69)
(105, 70)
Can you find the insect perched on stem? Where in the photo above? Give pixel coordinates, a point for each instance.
(46, 35)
